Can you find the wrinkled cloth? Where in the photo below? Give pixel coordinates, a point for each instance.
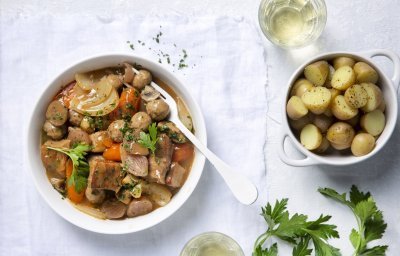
(227, 76)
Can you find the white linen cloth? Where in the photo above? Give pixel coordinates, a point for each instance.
(226, 75)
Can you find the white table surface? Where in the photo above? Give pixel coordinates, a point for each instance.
(352, 26)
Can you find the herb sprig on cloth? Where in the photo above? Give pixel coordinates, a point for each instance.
(371, 225)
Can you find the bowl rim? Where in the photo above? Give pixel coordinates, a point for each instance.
(315, 159)
(198, 162)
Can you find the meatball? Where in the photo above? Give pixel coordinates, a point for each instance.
(56, 113)
(77, 135)
(142, 79)
(115, 130)
(75, 118)
(141, 120)
(54, 132)
(157, 109)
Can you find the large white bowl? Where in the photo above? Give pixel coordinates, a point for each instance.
(389, 87)
(64, 207)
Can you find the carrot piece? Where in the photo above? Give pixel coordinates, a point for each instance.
(75, 196)
(129, 104)
(113, 153)
(68, 168)
(182, 152)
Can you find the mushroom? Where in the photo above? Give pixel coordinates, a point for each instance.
(141, 79)
(113, 209)
(114, 80)
(56, 113)
(87, 124)
(139, 207)
(114, 130)
(140, 120)
(128, 75)
(75, 118)
(172, 131)
(98, 139)
(58, 184)
(157, 109)
(54, 132)
(149, 93)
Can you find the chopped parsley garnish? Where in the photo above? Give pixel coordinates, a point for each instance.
(80, 170)
(149, 140)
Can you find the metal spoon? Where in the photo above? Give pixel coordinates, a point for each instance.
(242, 188)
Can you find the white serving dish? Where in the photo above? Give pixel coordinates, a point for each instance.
(65, 208)
(389, 87)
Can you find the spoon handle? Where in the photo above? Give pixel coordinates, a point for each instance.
(242, 188)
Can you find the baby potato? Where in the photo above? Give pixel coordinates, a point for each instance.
(343, 78)
(317, 100)
(362, 144)
(323, 147)
(374, 99)
(300, 87)
(317, 72)
(341, 146)
(343, 61)
(300, 123)
(323, 122)
(341, 110)
(329, 78)
(365, 73)
(356, 96)
(295, 108)
(310, 137)
(340, 135)
(373, 122)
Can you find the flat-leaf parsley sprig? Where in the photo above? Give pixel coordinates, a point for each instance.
(296, 230)
(149, 140)
(371, 225)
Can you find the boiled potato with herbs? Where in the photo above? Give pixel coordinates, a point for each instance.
(317, 100)
(373, 122)
(341, 110)
(365, 73)
(356, 96)
(295, 108)
(310, 137)
(374, 99)
(362, 144)
(343, 78)
(300, 123)
(323, 146)
(343, 61)
(323, 122)
(300, 87)
(317, 72)
(340, 135)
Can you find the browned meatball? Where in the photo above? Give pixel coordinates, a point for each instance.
(142, 79)
(115, 130)
(56, 113)
(54, 132)
(157, 109)
(140, 120)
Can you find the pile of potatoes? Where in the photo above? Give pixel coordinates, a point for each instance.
(338, 105)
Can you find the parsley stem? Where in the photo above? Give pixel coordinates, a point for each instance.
(261, 239)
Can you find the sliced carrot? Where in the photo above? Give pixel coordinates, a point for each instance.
(129, 104)
(68, 168)
(113, 153)
(75, 196)
(182, 152)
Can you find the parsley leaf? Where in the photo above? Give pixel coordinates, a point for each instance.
(297, 231)
(272, 251)
(80, 170)
(371, 225)
(149, 140)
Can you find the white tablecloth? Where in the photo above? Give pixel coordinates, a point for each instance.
(29, 227)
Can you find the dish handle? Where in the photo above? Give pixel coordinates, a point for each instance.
(307, 161)
(393, 57)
